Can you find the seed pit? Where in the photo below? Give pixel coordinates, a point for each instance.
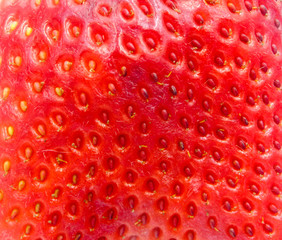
(110, 214)
(104, 10)
(217, 155)
(132, 202)
(151, 40)
(192, 210)
(93, 221)
(91, 170)
(122, 141)
(190, 235)
(55, 218)
(74, 27)
(143, 219)
(228, 205)
(110, 190)
(164, 166)
(232, 231)
(65, 63)
(248, 205)
(130, 176)
(72, 208)
(236, 163)
(111, 164)
(157, 233)
(95, 139)
(177, 189)
(259, 169)
(188, 171)
(212, 222)
(98, 34)
(151, 185)
(146, 8)
(162, 204)
(127, 11)
(171, 24)
(211, 178)
(175, 221)
(249, 230)
(268, 228)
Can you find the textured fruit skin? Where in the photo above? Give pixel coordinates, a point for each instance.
(174, 104)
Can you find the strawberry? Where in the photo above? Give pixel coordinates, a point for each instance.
(140, 119)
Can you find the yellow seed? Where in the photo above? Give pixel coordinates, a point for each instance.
(18, 61)
(123, 71)
(92, 66)
(55, 34)
(21, 185)
(10, 131)
(59, 91)
(42, 175)
(23, 106)
(42, 56)
(1, 195)
(14, 213)
(56, 2)
(13, 25)
(6, 92)
(6, 166)
(37, 207)
(67, 65)
(56, 193)
(79, 1)
(37, 2)
(38, 86)
(0, 60)
(74, 179)
(41, 130)
(28, 31)
(28, 152)
(27, 229)
(76, 31)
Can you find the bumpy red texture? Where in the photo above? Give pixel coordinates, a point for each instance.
(140, 119)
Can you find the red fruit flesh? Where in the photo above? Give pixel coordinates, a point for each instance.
(140, 119)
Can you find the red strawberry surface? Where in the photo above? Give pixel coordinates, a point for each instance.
(140, 119)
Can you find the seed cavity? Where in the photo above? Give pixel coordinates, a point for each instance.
(268, 228)
(191, 210)
(132, 202)
(175, 221)
(249, 230)
(232, 231)
(248, 206)
(236, 163)
(212, 223)
(157, 232)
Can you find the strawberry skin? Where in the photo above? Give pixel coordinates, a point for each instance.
(140, 119)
